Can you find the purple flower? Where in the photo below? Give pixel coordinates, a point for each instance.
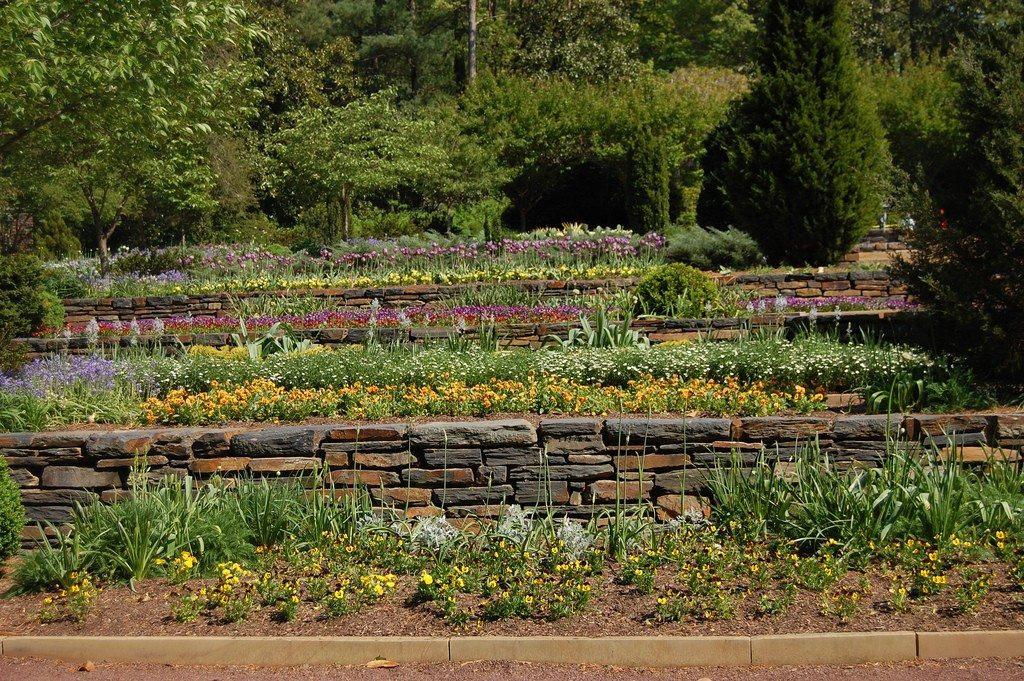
(48, 375)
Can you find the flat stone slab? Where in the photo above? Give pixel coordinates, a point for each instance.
(665, 431)
(440, 435)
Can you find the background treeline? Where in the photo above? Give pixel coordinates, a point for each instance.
(152, 122)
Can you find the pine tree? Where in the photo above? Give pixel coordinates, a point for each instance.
(798, 162)
(968, 259)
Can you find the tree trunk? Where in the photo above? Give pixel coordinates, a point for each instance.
(414, 67)
(103, 240)
(471, 67)
(346, 219)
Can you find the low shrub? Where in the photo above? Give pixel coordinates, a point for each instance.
(154, 261)
(713, 249)
(66, 284)
(12, 514)
(677, 290)
(25, 302)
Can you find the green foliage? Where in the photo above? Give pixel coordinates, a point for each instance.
(798, 162)
(907, 496)
(648, 193)
(588, 40)
(677, 290)
(546, 132)
(897, 32)
(25, 303)
(713, 249)
(917, 106)
(152, 261)
(338, 155)
(603, 334)
(965, 263)
(12, 514)
(676, 33)
(162, 95)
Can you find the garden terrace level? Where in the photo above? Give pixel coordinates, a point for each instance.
(576, 466)
(894, 324)
(845, 282)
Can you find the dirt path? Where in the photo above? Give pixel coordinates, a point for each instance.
(958, 670)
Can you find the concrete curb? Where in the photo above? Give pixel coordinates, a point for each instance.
(228, 651)
(625, 651)
(833, 648)
(640, 651)
(944, 645)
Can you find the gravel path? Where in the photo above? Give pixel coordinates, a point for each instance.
(957, 670)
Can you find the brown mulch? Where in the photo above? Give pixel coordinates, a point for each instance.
(614, 610)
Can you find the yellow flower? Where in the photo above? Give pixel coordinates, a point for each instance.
(427, 578)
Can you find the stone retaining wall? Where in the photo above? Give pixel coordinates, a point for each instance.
(879, 246)
(869, 284)
(509, 335)
(577, 465)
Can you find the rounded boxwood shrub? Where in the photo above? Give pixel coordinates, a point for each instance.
(12, 513)
(677, 290)
(25, 302)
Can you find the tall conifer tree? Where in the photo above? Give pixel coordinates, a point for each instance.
(798, 163)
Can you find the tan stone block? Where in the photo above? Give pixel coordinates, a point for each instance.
(437, 476)
(362, 477)
(671, 506)
(383, 460)
(609, 490)
(150, 461)
(652, 462)
(402, 495)
(338, 459)
(283, 463)
(222, 464)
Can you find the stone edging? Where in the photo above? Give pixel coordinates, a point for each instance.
(868, 284)
(640, 651)
(578, 466)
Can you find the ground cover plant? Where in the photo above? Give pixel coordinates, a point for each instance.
(273, 378)
(945, 546)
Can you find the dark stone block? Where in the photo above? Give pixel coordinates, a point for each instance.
(665, 431)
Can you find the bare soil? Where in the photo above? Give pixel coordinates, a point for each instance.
(952, 670)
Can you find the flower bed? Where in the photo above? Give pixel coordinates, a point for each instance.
(768, 374)
(263, 400)
(459, 317)
(256, 555)
(240, 267)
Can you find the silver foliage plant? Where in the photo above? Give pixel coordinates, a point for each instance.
(435, 534)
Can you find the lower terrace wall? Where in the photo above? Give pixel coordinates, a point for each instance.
(868, 284)
(471, 468)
